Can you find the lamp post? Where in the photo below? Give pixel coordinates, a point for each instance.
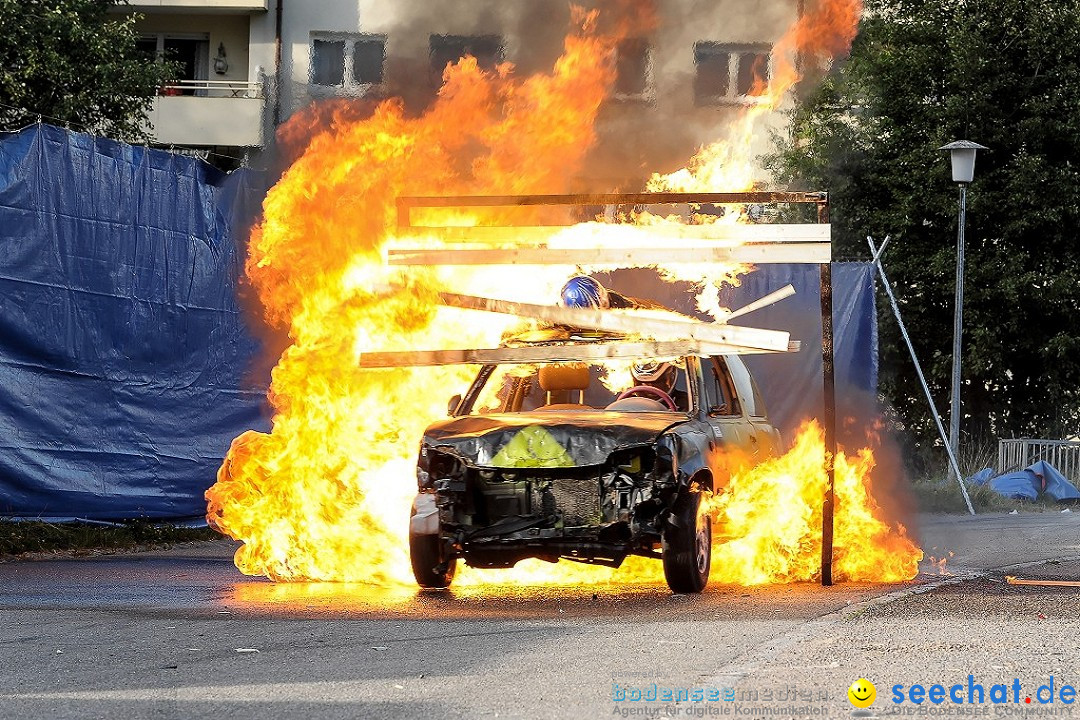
(963, 170)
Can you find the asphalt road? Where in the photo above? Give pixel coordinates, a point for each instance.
(181, 634)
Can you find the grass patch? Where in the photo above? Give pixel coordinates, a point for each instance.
(935, 496)
(20, 537)
(936, 490)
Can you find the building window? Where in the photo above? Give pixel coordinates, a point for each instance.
(369, 54)
(633, 69)
(347, 61)
(448, 49)
(190, 52)
(729, 73)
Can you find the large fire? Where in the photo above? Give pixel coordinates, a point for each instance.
(326, 494)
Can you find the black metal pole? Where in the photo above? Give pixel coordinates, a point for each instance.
(958, 328)
(829, 417)
(278, 80)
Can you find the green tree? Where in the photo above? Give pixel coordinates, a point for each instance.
(1006, 74)
(73, 62)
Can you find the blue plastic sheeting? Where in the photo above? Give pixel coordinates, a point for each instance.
(1022, 485)
(124, 358)
(1055, 484)
(791, 383)
(1029, 483)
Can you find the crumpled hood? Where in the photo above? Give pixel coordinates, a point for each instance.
(547, 439)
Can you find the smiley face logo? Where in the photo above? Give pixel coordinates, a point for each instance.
(862, 693)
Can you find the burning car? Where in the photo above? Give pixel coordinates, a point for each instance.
(585, 461)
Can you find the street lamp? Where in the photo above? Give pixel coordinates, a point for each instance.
(963, 170)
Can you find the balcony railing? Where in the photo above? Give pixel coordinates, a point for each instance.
(213, 88)
(1017, 454)
(204, 113)
(201, 6)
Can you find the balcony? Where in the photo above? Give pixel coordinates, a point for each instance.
(199, 6)
(208, 113)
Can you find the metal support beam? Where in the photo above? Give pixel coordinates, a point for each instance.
(877, 253)
(955, 412)
(828, 425)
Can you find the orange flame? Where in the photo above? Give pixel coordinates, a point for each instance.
(939, 563)
(770, 517)
(824, 31)
(325, 495)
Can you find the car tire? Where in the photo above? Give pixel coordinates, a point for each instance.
(424, 554)
(687, 546)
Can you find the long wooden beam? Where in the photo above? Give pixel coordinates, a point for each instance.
(629, 322)
(1045, 583)
(736, 233)
(405, 204)
(752, 254)
(550, 353)
(771, 299)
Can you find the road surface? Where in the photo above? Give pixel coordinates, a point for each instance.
(181, 633)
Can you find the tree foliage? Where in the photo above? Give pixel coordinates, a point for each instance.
(1003, 73)
(73, 62)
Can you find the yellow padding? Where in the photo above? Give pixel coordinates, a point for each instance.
(532, 447)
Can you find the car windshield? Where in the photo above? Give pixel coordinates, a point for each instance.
(582, 386)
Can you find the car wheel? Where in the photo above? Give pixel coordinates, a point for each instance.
(687, 546)
(424, 553)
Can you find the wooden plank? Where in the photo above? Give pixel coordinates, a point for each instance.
(772, 298)
(732, 232)
(646, 198)
(406, 203)
(629, 322)
(1045, 583)
(550, 353)
(752, 254)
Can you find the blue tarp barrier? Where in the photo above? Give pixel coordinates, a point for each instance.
(791, 382)
(124, 358)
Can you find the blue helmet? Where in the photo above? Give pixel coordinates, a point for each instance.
(583, 291)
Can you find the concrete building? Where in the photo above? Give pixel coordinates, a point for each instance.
(226, 48)
(677, 88)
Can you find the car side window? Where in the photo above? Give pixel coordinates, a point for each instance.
(719, 390)
(741, 376)
(759, 402)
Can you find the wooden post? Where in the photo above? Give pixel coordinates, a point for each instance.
(829, 417)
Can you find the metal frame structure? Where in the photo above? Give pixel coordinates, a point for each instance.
(405, 206)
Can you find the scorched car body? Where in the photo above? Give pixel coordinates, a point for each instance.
(542, 463)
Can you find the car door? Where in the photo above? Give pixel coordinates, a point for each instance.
(763, 437)
(723, 409)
